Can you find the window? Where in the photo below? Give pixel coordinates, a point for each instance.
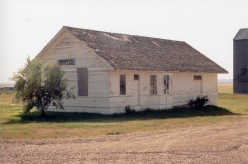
(153, 84)
(136, 77)
(166, 84)
(82, 75)
(122, 84)
(197, 77)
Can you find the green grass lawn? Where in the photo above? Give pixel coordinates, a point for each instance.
(231, 107)
(237, 103)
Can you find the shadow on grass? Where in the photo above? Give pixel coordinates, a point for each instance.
(133, 115)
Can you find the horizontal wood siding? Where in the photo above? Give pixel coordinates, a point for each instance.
(71, 48)
(159, 101)
(99, 84)
(183, 87)
(181, 90)
(88, 102)
(97, 98)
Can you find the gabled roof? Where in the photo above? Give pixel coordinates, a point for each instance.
(242, 34)
(128, 52)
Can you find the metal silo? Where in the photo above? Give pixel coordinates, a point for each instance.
(240, 62)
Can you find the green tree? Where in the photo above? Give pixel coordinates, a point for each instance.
(40, 88)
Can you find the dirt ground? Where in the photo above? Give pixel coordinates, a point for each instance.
(226, 143)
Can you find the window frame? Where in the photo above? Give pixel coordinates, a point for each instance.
(197, 77)
(153, 85)
(135, 77)
(123, 84)
(166, 84)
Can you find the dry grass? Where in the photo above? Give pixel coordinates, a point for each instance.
(225, 88)
(13, 126)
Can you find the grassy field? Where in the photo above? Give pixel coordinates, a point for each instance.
(231, 108)
(237, 103)
(225, 88)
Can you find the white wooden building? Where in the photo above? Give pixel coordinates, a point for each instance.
(110, 71)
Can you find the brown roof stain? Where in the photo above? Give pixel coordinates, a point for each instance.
(129, 52)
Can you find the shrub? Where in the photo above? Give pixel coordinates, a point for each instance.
(199, 101)
(40, 88)
(113, 133)
(128, 110)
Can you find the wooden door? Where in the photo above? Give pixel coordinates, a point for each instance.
(198, 85)
(136, 91)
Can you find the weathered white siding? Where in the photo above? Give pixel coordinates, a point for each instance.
(98, 76)
(158, 101)
(210, 87)
(183, 88)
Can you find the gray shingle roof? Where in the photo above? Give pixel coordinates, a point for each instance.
(242, 34)
(128, 52)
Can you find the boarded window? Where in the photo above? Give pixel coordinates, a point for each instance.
(122, 84)
(82, 75)
(153, 84)
(197, 77)
(166, 84)
(136, 77)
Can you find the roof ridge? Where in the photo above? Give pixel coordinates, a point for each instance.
(124, 34)
(132, 52)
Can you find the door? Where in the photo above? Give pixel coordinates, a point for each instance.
(136, 93)
(198, 85)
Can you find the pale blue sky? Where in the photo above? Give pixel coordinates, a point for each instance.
(207, 25)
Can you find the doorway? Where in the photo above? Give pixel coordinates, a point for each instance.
(136, 90)
(198, 85)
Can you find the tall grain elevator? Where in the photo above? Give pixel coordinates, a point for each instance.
(240, 62)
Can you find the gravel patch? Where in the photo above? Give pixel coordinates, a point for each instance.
(225, 143)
